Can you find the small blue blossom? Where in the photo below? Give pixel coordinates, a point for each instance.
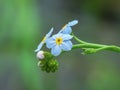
(67, 28)
(44, 40)
(59, 42)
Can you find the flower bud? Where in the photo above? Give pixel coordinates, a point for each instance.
(89, 51)
(40, 55)
(48, 63)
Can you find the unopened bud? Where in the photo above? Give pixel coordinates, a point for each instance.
(40, 55)
(47, 62)
(89, 51)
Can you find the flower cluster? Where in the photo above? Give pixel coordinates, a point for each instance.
(47, 62)
(60, 41)
(57, 43)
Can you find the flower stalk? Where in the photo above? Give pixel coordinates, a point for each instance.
(90, 48)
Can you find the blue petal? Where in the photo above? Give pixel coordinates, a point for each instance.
(67, 30)
(39, 47)
(49, 33)
(55, 36)
(72, 23)
(50, 43)
(56, 50)
(66, 46)
(60, 31)
(69, 43)
(67, 37)
(42, 43)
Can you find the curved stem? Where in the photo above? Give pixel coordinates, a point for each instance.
(77, 39)
(97, 47)
(87, 45)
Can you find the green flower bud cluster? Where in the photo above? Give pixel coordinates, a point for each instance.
(48, 64)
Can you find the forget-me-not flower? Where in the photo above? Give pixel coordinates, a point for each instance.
(67, 28)
(44, 40)
(58, 43)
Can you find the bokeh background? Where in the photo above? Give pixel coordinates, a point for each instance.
(23, 23)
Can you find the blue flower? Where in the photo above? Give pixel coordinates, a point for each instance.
(67, 28)
(59, 42)
(44, 40)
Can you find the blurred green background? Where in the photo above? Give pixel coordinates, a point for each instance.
(23, 23)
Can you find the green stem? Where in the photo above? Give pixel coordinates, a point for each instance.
(92, 47)
(88, 45)
(77, 39)
(98, 47)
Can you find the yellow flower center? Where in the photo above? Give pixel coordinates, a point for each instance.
(59, 41)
